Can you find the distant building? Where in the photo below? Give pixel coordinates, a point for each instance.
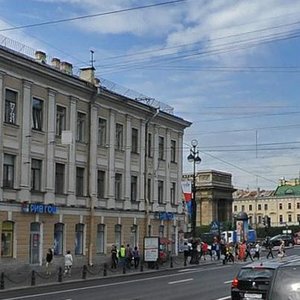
(214, 196)
(281, 205)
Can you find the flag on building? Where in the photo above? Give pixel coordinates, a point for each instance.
(187, 193)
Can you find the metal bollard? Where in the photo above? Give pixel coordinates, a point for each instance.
(185, 262)
(157, 265)
(105, 270)
(60, 273)
(124, 269)
(171, 262)
(84, 271)
(32, 278)
(142, 267)
(2, 281)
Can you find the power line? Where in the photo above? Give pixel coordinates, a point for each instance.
(91, 15)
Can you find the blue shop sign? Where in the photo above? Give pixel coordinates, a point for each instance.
(164, 216)
(38, 208)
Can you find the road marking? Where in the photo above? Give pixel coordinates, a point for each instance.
(224, 298)
(186, 270)
(108, 284)
(181, 281)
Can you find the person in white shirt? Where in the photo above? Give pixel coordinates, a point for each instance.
(68, 263)
(257, 251)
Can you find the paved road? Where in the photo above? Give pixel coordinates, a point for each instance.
(209, 282)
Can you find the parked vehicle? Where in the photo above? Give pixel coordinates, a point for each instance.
(270, 280)
(287, 238)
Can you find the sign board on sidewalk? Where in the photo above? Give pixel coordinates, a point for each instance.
(151, 249)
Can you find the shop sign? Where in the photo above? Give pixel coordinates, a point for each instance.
(38, 208)
(164, 216)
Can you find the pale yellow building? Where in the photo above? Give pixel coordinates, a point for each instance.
(281, 205)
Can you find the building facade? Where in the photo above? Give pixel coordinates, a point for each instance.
(282, 206)
(81, 167)
(214, 196)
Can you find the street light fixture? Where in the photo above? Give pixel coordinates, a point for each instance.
(195, 159)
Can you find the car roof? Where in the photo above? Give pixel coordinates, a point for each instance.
(273, 264)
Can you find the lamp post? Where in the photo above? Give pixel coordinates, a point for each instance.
(195, 159)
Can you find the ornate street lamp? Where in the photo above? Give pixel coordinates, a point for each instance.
(195, 159)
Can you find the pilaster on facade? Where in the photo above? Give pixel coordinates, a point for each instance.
(128, 147)
(71, 174)
(111, 202)
(50, 148)
(2, 76)
(178, 196)
(25, 147)
(155, 165)
(167, 195)
(143, 176)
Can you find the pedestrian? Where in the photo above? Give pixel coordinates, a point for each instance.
(122, 253)
(49, 257)
(257, 251)
(68, 263)
(248, 252)
(114, 257)
(128, 256)
(281, 250)
(269, 246)
(203, 250)
(136, 257)
(186, 252)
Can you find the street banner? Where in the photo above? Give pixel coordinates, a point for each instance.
(187, 193)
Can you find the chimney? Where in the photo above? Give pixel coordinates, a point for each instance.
(55, 62)
(40, 56)
(66, 67)
(88, 74)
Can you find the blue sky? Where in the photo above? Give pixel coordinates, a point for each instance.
(230, 67)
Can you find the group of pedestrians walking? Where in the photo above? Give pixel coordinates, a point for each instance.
(125, 256)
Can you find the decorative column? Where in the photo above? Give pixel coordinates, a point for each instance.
(167, 193)
(178, 198)
(2, 75)
(143, 157)
(128, 146)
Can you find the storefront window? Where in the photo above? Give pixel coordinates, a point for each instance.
(100, 238)
(35, 243)
(118, 235)
(7, 236)
(58, 238)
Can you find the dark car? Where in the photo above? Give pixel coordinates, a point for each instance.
(288, 240)
(253, 281)
(286, 282)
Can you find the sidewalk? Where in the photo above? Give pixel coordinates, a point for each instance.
(37, 276)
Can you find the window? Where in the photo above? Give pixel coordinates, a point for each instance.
(118, 235)
(118, 186)
(173, 193)
(134, 140)
(259, 219)
(160, 191)
(289, 205)
(280, 205)
(8, 171)
(149, 150)
(250, 207)
(58, 239)
(80, 133)
(243, 207)
(161, 147)
(101, 184)
(134, 235)
(119, 136)
(298, 218)
(266, 206)
(79, 238)
(60, 119)
(133, 191)
(79, 181)
(7, 239)
(10, 107)
(298, 205)
(259, 207)
(149, 187)
(289, 218)
(100, 242)
(37, 114)
(235, 208)
(161, 231)
(173, 151)
(280, 219)
(59, 178)
(36, 174)
(102, 132)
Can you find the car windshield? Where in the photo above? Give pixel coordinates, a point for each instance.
(254, 273)
(286, 284)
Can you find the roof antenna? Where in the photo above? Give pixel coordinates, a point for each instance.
(92, 58)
